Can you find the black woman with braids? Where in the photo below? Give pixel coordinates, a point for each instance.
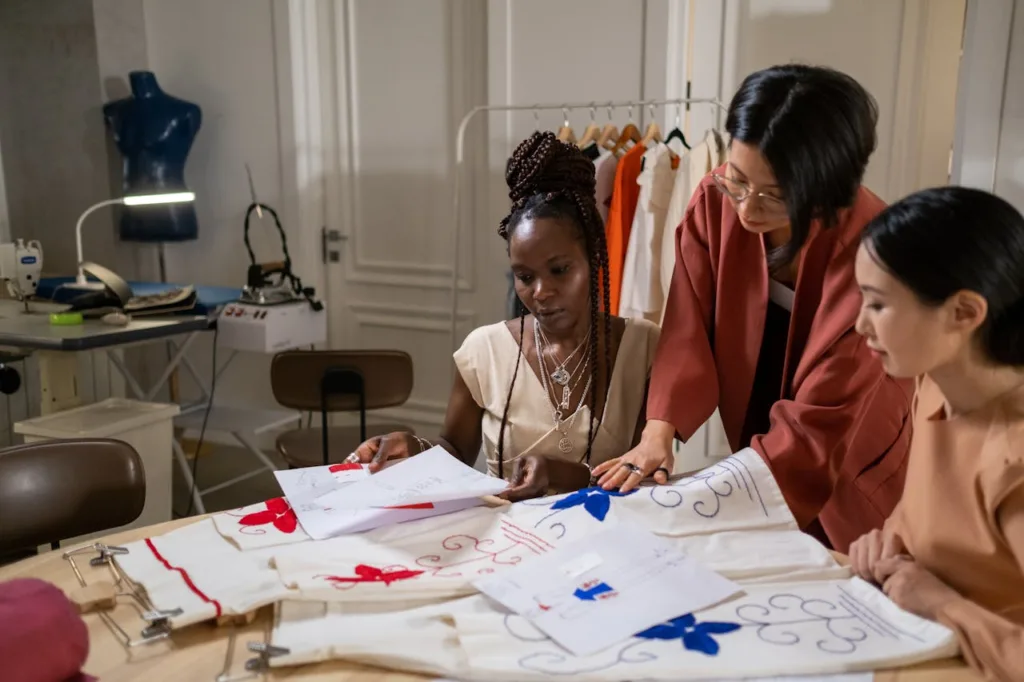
(561, 387)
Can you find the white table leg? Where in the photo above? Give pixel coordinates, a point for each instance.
(186, 470)
(58, 379)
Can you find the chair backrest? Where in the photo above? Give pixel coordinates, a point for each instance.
(59, 489)
(297, 378)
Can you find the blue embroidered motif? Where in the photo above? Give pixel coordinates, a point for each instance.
(592, 591)
(597, 501)
(696, 636)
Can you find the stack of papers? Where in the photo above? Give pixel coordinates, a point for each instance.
(593, 593)
(345, 498)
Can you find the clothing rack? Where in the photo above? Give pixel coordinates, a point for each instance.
(460, 149)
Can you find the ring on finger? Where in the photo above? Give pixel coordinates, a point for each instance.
(667, 473)
(632, 468)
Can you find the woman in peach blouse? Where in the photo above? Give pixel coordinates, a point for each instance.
(942, 276)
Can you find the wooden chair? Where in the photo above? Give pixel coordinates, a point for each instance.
(328, 381)
(59, 489)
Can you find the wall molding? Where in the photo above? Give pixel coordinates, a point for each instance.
(343, 168)
(398, 316)
(980, 92)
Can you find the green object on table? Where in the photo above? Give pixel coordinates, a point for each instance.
(65, 319)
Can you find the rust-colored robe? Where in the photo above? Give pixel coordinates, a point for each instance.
(840, 432)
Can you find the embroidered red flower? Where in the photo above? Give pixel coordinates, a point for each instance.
(278, 512)
(346, 466)
(372, 574)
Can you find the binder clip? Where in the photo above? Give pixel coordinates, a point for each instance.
(103, 596)
(254, 667)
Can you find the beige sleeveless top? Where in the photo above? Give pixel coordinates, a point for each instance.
(486, 362)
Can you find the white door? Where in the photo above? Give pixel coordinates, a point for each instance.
(380, 87)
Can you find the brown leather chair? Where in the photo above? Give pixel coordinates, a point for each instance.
(59, 489)
(328, 381)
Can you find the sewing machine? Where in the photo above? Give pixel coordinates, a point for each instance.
(21, 265)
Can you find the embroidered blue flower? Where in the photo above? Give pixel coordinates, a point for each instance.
(597, 501)
(696, 636)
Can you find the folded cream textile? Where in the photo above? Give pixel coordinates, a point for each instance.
(815, 627)
(436, 558)
(195, 569)
(439, 558)
(266, 524)
(731, 517)
(737, 493)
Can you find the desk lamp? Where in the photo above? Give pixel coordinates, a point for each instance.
(130, 200)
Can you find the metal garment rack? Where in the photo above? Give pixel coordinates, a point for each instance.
(460, 149)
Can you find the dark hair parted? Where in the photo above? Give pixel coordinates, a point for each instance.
(948, 239)
(816, 128)
(548, 178)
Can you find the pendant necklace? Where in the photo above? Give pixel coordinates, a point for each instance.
(561, 375)
(565, 444)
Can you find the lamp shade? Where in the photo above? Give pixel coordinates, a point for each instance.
(166, 198)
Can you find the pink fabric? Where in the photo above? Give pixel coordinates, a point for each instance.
(42, 636)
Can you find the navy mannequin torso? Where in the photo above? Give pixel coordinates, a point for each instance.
(154, 133)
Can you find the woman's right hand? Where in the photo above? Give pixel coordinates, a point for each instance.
(652, 457)
(380, 449)
(870, 549)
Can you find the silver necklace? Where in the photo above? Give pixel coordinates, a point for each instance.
(561, 375)
(565, 444)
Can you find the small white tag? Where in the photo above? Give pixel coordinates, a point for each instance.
(581, 565)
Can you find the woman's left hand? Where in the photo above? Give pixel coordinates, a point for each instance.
(913, 587)
(530, 479)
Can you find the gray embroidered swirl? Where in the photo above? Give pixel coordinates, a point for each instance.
(777, 622)
(546, 662)
(670, 497)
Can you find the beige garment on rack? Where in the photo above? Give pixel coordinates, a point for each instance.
(487, 360)
(604, 177)
(710, 442)
(705, 156)
(641, 294)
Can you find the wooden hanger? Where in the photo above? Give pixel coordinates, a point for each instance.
(591, 134)
(653, 132)
(629, 134)
(592, 131)
(609, 135)
(565, 133)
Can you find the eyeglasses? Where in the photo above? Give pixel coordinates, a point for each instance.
(740, 191)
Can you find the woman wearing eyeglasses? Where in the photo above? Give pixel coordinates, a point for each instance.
(762, 307)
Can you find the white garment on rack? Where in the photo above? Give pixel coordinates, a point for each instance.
(604, 175)
(641, 295)
(710, 441)
(701, 160)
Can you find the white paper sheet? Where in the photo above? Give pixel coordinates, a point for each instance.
(597, 591)
(433, 476)
(304, 485)
(306, 491)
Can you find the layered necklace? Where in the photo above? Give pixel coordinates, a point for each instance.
(567, 379)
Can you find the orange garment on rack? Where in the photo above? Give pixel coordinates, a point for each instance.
(620, 219)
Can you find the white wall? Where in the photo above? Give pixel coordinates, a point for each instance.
(1010, 155)
(904, 52)
(220, 55)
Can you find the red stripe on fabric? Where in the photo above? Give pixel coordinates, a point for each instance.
(184, 576)
(527, 533)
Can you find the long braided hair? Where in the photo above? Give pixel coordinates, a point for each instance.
(551, 179)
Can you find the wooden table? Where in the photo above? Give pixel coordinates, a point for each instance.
(198, 653)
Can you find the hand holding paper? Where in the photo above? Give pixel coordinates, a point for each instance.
(434, 476)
